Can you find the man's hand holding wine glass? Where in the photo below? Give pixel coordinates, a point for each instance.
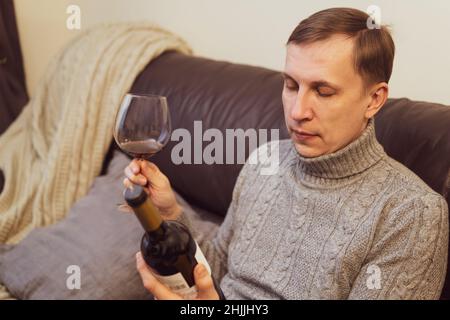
(157, 185)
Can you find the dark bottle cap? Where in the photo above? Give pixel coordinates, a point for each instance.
(135, 196)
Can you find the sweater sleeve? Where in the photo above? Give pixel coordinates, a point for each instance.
(408, 256)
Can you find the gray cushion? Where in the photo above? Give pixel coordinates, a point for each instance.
(95, 236)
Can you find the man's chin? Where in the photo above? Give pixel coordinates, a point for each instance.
(307, 151)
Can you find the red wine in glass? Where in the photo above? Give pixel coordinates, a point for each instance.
(142, 149)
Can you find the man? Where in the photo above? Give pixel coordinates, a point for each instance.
(340, 219)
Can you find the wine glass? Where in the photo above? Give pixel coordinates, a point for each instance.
(142, 127)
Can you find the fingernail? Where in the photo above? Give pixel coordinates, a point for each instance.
(142, 181)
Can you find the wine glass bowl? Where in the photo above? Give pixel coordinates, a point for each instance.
(142, 126)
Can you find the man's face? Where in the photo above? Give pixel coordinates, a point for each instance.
(323, 97)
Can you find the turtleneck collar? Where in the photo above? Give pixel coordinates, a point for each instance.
(353, 159)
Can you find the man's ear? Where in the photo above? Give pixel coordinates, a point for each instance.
(378, 96)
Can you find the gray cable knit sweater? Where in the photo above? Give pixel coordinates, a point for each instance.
(355, 224)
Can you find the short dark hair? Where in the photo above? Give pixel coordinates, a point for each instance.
(374, 49)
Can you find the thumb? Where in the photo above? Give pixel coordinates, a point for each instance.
(153, 174)
(204, 283)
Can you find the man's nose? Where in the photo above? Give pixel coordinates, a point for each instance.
(302, 110)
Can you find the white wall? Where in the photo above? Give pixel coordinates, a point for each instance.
(252, 32)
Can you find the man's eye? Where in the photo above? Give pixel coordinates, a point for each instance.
(325, 92)
(291, 86)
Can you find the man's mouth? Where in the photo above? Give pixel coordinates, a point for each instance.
(301, 135)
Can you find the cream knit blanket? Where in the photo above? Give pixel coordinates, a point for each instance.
(51, 154)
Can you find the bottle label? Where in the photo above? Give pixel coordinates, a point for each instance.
(200, 257)
(178, 284)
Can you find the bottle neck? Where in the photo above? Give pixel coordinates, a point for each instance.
(149, 217)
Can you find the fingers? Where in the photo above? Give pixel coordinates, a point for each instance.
(159, 291)
(135, 166)
(149, 169)
(141, 172)
(127, 183)
(156, 178)
(204, 283)
(138, 179)
(153, 168)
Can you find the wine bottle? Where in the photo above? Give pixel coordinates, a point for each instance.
(167, 247)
